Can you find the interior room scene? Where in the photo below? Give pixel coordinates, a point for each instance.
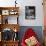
(22, 23)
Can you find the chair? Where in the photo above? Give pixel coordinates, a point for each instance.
(29, 33)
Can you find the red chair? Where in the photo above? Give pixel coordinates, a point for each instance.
(29, 33)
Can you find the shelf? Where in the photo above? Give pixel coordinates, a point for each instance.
(7, 16)
(6, 12)
(11, 15)
(11, 41)
(10, 19)
(5, 8)
(10, 26)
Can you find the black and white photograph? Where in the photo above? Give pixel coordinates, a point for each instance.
(29, 12)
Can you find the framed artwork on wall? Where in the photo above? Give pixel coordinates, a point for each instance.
(5, 12)
(29, 12)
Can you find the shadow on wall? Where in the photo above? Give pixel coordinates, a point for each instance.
(37, 29)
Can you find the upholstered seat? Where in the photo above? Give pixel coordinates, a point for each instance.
(30, 34)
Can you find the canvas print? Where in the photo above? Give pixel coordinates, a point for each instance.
(29, 12)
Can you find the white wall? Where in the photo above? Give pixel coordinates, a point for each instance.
(22, 3)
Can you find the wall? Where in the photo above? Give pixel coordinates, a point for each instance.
(22, 21)
(37, 30)
(39, 13)
(38, 22)
(44, 12)
(45, 22)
